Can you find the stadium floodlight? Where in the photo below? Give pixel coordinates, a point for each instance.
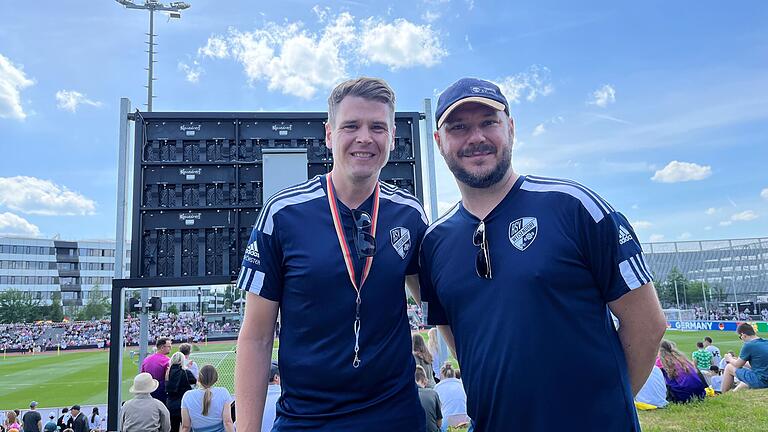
(174, 11)
(179, 5)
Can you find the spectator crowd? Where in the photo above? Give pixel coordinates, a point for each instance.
(676, 379)
(46, 336)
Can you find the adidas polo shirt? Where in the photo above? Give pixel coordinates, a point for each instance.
(294, 258)
(536, 345)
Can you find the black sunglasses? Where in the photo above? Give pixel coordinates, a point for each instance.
(483, 260)
(365, 242)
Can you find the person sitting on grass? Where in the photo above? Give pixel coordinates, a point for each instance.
(717, 379)
(654, 391)
(702, 357)
(722, 364)
(714, 350)
(684, 381)
(754, 351)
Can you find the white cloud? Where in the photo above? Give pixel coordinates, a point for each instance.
(191, 73)
(542, 127)
(726, 223)
(746, 215)
(470, 4)
(764, 193)
(684, 236)
(69, 100)
(296, 61)
(292, 60)
(36, 196)
(11, 224)
(321, 12)
(12, 81)
(610, 118)
(528, 85)
(676, 172)
(710, 211)
(656, 238)
(216, 47)
(603, 96)
(430, 16)
(469, 44)
(708, 228)
(400, 44)
(641, 224)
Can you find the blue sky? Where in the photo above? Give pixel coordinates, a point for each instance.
(661, 107)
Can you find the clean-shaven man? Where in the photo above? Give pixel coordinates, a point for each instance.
(333, 255)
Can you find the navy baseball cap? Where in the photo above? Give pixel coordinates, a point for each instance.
(469, 90)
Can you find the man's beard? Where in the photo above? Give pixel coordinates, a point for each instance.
(484, 181)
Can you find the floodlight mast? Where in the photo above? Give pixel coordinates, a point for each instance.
(175, 9)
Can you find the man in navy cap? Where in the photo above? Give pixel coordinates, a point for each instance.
(522, 260)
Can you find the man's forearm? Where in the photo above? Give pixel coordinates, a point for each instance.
(640, 349)
(251, 369)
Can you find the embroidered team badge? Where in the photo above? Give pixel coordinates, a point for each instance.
(401, 240)
(522, 232)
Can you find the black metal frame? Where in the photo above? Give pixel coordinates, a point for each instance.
(119, 285)
(237, 118)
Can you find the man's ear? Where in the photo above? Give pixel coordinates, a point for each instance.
(328, 130)
(438, 141)
(392, 138)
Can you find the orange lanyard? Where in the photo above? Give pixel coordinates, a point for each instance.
(347, 254)
(342, 239)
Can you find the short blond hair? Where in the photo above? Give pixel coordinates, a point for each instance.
(374, 89)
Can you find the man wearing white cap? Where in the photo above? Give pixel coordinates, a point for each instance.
(143, 413)
(523, 258)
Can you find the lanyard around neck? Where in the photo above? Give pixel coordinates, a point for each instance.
(345, 251)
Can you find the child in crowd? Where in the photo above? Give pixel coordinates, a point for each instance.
(701, 357)
(717, 379)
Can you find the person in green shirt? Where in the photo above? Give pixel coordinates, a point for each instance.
(702, 357)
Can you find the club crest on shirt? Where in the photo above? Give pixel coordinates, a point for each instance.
(522, 232)
(401, 240)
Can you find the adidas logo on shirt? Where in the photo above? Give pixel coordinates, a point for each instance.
(624, 235)
(252, 253)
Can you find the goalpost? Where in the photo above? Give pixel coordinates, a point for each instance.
(224, 362)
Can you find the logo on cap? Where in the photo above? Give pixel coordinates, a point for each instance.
(483, 90)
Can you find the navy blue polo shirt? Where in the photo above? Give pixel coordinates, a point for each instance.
(536, 345)
(294, 258)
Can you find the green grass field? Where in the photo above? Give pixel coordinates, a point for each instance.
(81, 377)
